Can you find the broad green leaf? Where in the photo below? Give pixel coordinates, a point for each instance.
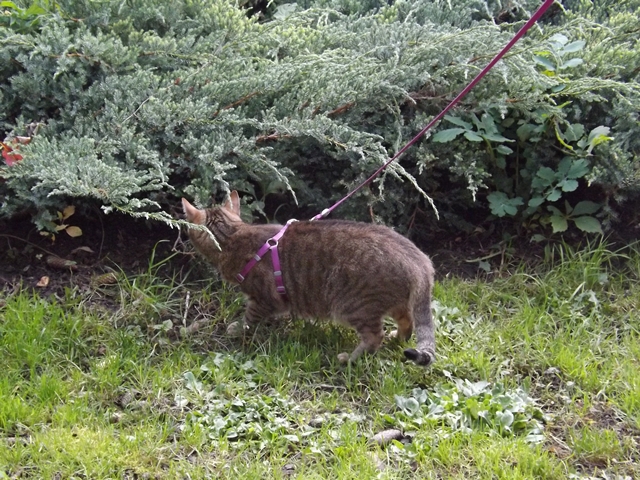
(503, 149)
(459, 122)
(473, 407)
(559, 39)
(477, 122)
(574, 132)
(554, 195)
(537, 238)
(568, 185)
(586, 207)
(411, 405)
(505, 418)
(554, 210)
(564, 166)
(539, 184)
(488, 123)
(574, 46)
(546, 174)
(519, 425)
(536, 201)
(507, 122)
(472, 136)
(535, 438)
(558, 223)
(525, 130)
(588, 224)
(568, 208)
(579, 168)
(545, 62)
(35, 9)
(444, 136)
(496, 137)
(574, 62)
(502, 205)
(191, 383)
(496, 203)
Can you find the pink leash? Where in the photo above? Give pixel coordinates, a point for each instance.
(272, 243)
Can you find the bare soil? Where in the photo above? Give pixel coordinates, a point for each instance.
(118, 242)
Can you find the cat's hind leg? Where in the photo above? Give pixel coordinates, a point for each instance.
(404, 320)
(425, 352)
(371, 335)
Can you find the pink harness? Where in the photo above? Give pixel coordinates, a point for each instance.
(272, 243)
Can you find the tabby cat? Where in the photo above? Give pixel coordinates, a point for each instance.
(352, 272)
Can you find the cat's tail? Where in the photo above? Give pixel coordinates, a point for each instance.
(425, 352)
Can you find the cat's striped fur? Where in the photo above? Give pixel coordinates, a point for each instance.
(355, 273)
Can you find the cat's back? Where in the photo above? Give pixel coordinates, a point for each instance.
(331, 268)
(348, 241)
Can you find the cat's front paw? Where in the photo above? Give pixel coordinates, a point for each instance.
(343, 357)
(237, 329)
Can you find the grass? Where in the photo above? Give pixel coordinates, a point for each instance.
(537, 377)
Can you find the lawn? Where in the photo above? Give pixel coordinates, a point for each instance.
(538, 376)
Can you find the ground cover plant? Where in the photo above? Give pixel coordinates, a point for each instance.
(537, 377)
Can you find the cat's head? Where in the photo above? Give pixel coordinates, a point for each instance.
(229, 210)
(222, 221)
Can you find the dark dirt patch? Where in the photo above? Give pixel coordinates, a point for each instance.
(108, 243)
(118, 242)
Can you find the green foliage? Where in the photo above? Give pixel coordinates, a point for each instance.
(464, 406)
(226, 411)
(130, 105)
(245, 410)
(547, 185)
(25, 19)
(554, 59)
(580, 215)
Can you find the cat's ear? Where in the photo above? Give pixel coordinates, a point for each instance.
(193, 214)
(233, 203)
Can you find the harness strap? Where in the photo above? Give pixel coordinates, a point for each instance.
(270, 245)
